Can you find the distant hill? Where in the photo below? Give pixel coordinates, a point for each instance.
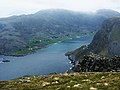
(20, 34)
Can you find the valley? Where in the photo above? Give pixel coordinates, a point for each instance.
(20, 35)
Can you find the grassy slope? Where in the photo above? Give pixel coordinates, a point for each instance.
(75, 81)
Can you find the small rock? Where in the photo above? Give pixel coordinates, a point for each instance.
(103, 77)
(45, 84)
(106, 84)
(28, 81)
(86, 80)
(34, 76)
(55, 82)
(28, 78)
(71, 81)
(66, 74)
(58, 89)
(85, 75)
(98, 83)
(20, 80)
(68, 86)
(77, 85)
(92, 88)
(109, 74)
(56, 78)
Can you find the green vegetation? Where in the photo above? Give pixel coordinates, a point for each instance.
(74, 81)
(36, 44)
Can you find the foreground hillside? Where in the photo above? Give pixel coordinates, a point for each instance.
(23, 34)
(74, 81)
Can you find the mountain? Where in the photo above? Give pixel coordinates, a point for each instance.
(25, 33)
(102, 52)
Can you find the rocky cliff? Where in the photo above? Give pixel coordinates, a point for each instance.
(106, 43)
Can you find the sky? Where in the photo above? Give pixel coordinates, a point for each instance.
(18, 7)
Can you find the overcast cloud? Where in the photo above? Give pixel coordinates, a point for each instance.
(17, 7)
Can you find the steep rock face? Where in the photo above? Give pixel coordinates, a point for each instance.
(106, 42)
(102, 54)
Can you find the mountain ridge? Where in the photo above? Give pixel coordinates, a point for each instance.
(22, 34)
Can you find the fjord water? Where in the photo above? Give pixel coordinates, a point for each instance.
(45, 61)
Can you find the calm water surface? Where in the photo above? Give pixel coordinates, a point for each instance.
(44, 61)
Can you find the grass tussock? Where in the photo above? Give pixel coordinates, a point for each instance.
(73, 81)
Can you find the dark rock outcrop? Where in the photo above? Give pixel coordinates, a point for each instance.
(96, 63)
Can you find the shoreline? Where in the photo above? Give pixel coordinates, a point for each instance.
(51, 45)
(34, 50)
